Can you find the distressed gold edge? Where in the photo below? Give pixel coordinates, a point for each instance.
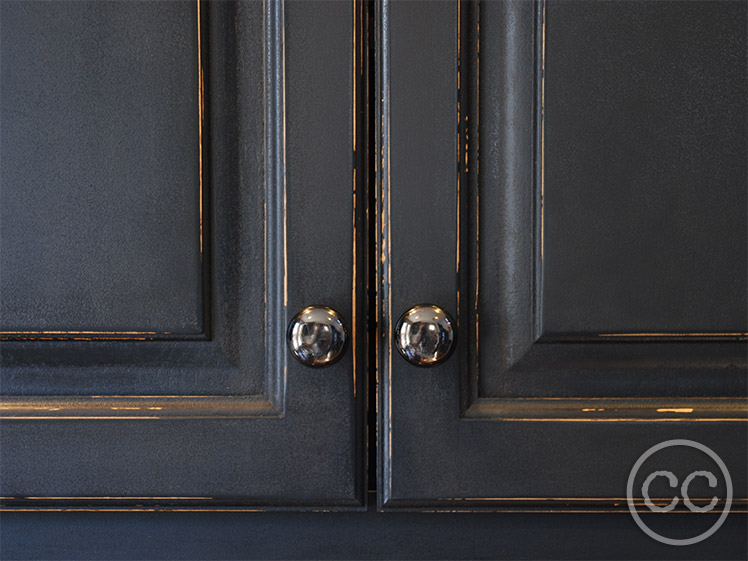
(440, 499)
(591, 505)
(101, 498)
(580, 499)
(354, 236)
(693, 336)
(135, 407)
(524, 510)
(347, 506)
(217, 509)
(10, 509)
(200, 122)
(520, 504)
(359, 213)
(179, 504)
(508, 510)
(609, 409)
(384, 254)
(100, 337)
(358, 201)
(612, 419)
(93, 335)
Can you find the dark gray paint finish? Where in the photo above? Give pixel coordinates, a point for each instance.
(100, 177)
(241, 186)
(645, 180)
(248, 425)
(436, 455)
(363, 535)
(457, 431)
(502, 265)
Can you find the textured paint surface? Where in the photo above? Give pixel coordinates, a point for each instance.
(519, 413)
(100, 182)
(230, 415)
(363, 535)
(645, 182)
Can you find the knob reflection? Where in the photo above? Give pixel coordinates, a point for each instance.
(425, 335)
(317, 336)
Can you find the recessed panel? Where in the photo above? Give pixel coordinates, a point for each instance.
(644, 194)
(100, 214)
(512, 420)
(256, 429)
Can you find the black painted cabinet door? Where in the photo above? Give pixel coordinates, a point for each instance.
(178, 180)
(568, 180)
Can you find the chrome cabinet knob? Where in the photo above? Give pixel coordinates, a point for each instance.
(317, 336)
(425, 335)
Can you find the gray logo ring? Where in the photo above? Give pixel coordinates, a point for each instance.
(667, 444)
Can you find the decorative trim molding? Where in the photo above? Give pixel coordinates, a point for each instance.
(272, 401)
(506, 85)
(386, 320)
(521, 36)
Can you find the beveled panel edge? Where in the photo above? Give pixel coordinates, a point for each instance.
(135, 407)
(276, 269)
(500, 116)
(173, 504)
(272, 402)
(601, 409)
(385, 321)
(138, 336)
(582, 409)
(556, 505)
(661, 337)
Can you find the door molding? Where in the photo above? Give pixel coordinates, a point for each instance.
(215, 350)
(460, 454)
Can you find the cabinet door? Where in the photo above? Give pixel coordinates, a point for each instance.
(567, 180)
(178, 181)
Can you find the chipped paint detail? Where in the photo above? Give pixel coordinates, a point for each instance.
(576, 499)
(609, 409)
(546, 504)
(677, 336)
(542, 133)
(134, 407)
(384, 247)
(200, 122)
(108, 498)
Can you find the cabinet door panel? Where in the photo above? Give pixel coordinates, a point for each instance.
(567, 179)
(178, 209)
(101, 180)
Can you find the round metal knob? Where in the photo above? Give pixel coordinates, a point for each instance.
(317, 336)
(425, 335)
